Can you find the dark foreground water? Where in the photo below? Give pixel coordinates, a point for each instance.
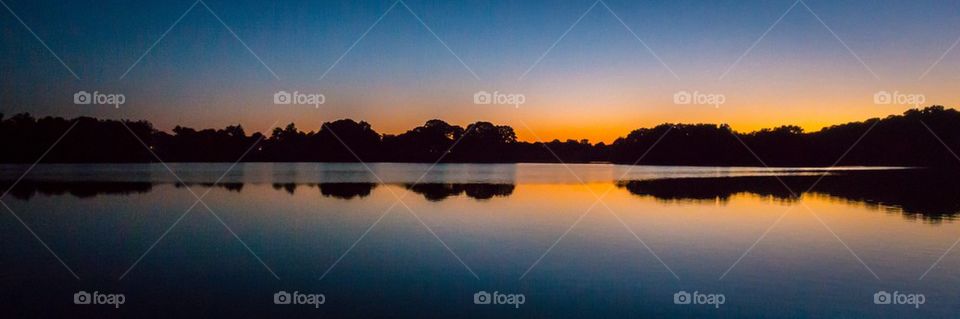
(738, 242)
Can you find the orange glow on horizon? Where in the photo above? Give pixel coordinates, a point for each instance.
(596, 123)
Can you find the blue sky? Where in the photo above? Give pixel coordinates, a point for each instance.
(599, 80)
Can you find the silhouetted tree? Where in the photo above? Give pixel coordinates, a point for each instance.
(902, 140)
(427, 143)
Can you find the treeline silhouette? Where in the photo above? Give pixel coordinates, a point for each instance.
(928, 194)
(902, 140)
(27, 189)
(435, 192)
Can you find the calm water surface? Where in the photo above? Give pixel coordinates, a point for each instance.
(531, 229)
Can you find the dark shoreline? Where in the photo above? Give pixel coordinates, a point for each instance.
(917, 138)
(928, 194)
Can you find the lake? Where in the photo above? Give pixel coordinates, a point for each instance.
(471, 240)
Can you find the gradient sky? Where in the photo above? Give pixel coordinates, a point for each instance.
(598, 82)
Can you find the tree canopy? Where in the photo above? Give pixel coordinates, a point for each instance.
(900, 140)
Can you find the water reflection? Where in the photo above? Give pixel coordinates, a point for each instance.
(27, 189)
(928, 194)
(233, 187)
(430, 191)
(438, 192)
(346, 190)
(299, 224)
(335, 190)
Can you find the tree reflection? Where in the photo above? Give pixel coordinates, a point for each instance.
(925, 193)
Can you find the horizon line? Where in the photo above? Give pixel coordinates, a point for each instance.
(382, 134)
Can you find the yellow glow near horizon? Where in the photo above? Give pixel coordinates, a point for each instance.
(596, 127)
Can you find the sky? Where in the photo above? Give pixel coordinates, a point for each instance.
(586, 69)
